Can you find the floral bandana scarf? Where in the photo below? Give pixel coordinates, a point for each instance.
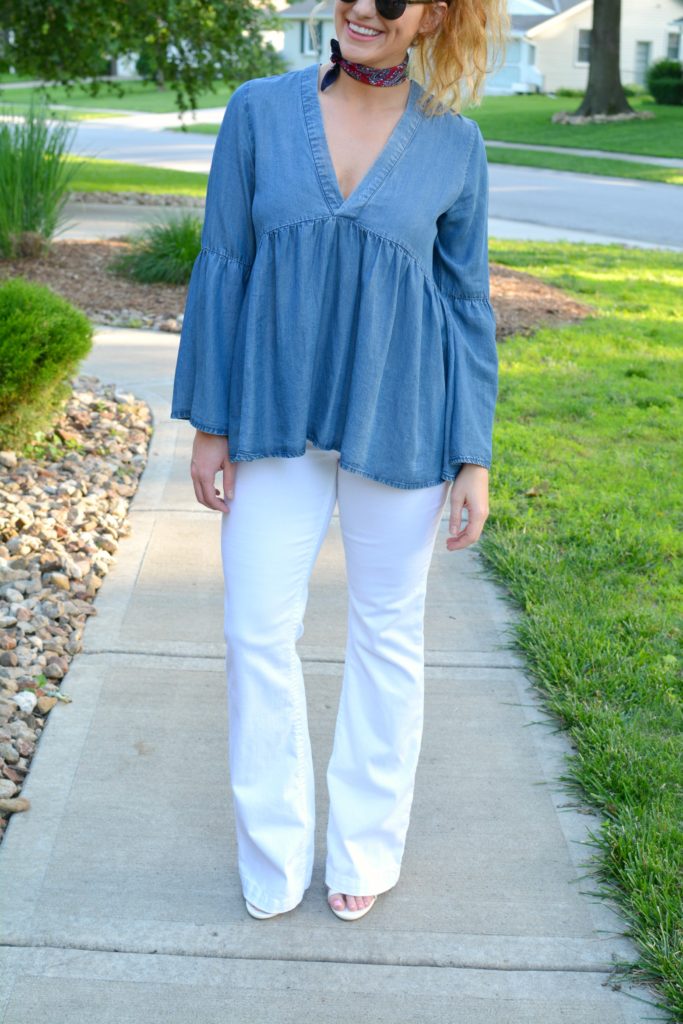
(363, 72)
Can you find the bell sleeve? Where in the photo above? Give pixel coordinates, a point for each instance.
(461, 274)
(201, 386)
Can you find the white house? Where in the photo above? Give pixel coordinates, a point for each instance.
(548, 46)
(650, 31)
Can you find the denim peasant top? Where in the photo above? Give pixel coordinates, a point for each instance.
(361, 324)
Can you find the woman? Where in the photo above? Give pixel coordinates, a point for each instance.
(338, 346)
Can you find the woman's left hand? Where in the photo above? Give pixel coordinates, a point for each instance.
(470, 490)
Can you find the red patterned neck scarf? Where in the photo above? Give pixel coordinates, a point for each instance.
(363, 72)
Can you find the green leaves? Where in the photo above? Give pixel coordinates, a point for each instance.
(190, 44)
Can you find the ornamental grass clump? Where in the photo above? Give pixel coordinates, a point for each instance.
(163, 252)
(34, 181)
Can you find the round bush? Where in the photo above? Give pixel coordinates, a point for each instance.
(665, 82)
(42, 340)
(668, 91)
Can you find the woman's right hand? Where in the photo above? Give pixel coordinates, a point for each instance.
(211, 455)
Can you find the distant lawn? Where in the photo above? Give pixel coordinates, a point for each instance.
(527, 119)
(584, 164)
(7, 78)
(585, 533)
(199, 129)
(140, 97)
(112, 176)
(11, 110)
(82, 115)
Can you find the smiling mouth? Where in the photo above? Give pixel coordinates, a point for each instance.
(362, 31)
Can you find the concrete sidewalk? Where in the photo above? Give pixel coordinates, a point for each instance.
(121, 900)
(661, 161)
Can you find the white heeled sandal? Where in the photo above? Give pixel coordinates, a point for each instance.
(261, 914)
(350, 915)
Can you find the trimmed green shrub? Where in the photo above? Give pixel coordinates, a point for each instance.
(665, 82)
(43, 338)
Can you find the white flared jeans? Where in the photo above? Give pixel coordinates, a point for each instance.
(270, 540)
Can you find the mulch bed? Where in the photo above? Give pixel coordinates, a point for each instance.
(78, 271)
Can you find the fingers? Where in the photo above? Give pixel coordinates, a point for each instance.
(469, 533)
(208, 494)
(469, 491)
(229, 473)
(205, 488)
(455, 522)
(210, 455)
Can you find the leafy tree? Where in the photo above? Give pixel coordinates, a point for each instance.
(604, 93)
(190, 44)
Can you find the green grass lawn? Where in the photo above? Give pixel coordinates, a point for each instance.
(584, 532)
(143, 97)
(199, 129)
(527, 119)
(585, 164)
(7, 78)
(112, 176)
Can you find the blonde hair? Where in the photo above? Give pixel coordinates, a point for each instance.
(450, 63)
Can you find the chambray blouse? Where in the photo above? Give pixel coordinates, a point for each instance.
(362, 324)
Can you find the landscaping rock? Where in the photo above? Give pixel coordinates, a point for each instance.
(62, 513)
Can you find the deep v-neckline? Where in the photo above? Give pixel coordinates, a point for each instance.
(391, 151)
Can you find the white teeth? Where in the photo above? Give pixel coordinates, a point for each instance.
(363, 31)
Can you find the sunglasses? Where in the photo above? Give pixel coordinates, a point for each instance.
(393, 9)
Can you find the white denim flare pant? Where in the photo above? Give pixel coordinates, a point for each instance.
(269, 543)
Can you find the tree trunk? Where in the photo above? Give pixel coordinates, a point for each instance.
(605, 94)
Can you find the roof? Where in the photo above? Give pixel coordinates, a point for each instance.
(303, 8)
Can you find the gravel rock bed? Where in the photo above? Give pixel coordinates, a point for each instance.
(137, 199)
(62, 512)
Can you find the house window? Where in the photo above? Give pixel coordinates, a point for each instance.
(584, 54)
(673, 42)
(514, 52)
(642, 60)
(306, 42)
